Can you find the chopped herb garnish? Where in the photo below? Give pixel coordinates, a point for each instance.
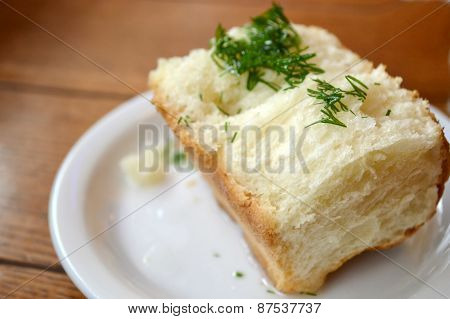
(271, 43)
(270, 291)
(233, 137)
(388, 112)
(217, 255)
(239, 111)
(179, 157)
(226, 126)
(377, 83)
(331, 99)
(185, 120)
(223, 111)
(200, 96)
(308, 293)
(238, 274)
(358, 88)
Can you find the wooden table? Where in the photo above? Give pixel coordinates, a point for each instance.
(51, 92)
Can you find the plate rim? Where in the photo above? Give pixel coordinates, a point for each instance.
(57, 242)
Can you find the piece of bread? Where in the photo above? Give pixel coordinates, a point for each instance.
(369, 185)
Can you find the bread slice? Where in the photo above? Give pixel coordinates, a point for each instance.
(367, 186)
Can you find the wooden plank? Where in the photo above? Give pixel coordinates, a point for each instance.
(46, 285)
(36, 132)
(127, 37)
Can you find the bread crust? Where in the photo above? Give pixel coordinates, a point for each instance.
(260, 228)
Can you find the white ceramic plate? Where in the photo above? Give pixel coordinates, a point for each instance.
(168, 248)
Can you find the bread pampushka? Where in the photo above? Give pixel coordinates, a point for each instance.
(368, 172)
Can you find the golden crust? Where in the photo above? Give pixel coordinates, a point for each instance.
(260, 228)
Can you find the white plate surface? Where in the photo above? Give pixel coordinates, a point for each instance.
(167, 248)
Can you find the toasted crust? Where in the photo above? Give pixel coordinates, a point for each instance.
(260, 228)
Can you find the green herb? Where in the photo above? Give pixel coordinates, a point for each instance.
(239, 111)
(234, 137)
(308, 293)
(217, 255)
(200, 96)
(271, 43)
(377, 83)
(331, 99)
(238, 274)
(358, 88)
(388, 112)
(270, 291)
(226, 126)
(179, 157)
(222, 110)
(185, 120)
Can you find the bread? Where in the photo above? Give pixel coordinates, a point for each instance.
(367, 186)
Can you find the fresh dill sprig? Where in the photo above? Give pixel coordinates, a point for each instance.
(179, 157)
(271, 43)
(330, 97)
(358, 88)
(222, 111)
(308, 293)
(228, 132)
(238, 274)
(388, 112)
(233, 137)
(184, 120)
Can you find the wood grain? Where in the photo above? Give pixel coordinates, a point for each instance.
(127, 38)
(45, 285)
(51, 92)
(36, 132)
